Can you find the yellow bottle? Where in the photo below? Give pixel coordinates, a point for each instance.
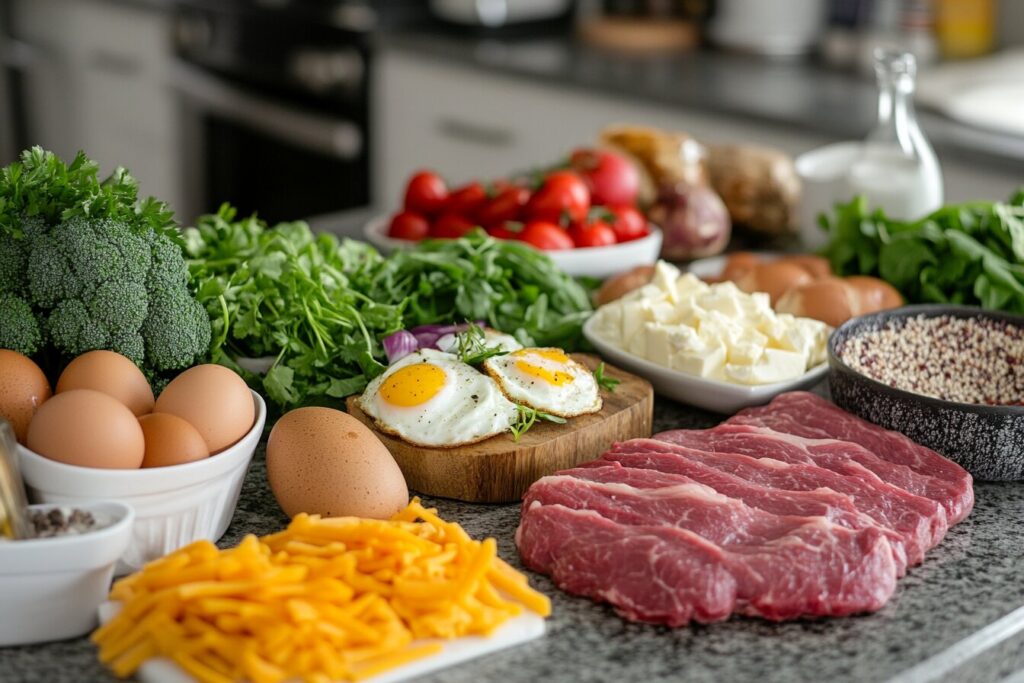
(966, 28)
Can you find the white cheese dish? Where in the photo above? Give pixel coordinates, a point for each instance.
(709, 345)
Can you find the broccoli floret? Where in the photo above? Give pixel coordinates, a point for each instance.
(13, 261)
(130, 345)
(19, 329)
(169, 271)
(50, 276)
(73, 331)
(177, 330)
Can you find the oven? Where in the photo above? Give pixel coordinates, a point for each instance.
(275, 105)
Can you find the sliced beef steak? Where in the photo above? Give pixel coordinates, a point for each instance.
(804, 414)
(657, 574)
(919, 521)
(843, 457)
(835, 507)
(784, 566)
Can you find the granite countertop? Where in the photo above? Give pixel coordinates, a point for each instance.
(801, 94)
(970, 582)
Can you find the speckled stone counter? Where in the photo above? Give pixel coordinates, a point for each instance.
(973, 580)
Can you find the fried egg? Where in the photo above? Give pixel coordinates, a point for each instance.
(493, 339)
(547, 380)
(430, 398)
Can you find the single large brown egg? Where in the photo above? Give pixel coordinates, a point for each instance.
(323, 461)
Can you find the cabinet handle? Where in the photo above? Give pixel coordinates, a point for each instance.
(476, 133)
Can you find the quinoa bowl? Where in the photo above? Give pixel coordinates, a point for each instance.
(949, 377)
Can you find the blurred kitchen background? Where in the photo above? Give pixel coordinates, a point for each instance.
(322, 108)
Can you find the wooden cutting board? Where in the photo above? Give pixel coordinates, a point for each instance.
(499, 470)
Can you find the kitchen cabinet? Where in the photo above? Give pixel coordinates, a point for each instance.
(95, 78)
(469, 122)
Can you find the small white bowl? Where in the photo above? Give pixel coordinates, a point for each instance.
(709, 394)
(173, 505)
(600, 262)
(50, 588)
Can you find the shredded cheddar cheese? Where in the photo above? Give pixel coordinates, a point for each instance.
(339, 599)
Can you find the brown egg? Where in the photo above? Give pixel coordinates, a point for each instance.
(87, 428)
(170, 441)
(830, 300)
(325, 462)
(111, 373)
(739, 264)
(23, 388)
(817, 266)
(775, 278)
(874, 294)
(214, 400)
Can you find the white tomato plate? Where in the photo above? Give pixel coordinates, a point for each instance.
(599, 262)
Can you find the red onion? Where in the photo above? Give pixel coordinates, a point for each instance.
(400, 344)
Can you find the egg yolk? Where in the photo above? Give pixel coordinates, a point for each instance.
(555, 377)
(412, 385)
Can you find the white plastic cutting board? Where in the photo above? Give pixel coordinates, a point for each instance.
(524, 628)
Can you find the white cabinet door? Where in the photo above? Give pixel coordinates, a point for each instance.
(469, 123)
(96, 80)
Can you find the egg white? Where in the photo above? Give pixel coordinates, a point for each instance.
(578, 395)
(466, 409)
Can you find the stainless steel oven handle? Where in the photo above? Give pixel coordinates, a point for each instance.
(323, 134)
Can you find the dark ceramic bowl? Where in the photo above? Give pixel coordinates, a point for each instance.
(987, 441)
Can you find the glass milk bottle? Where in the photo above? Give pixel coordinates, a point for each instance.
(897, 169)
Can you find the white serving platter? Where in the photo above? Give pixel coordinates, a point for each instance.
(599, 262)
(709, 394)
(524, 628)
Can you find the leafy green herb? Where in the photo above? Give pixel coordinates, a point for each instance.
(472, 345)
(528, 417)
(603, 381)
(286, 293)
(970, 253)
(40, 185)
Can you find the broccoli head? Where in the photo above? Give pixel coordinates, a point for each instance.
(19, 329)
(102, 283)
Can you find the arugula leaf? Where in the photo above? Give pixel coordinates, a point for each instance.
(603, 381)
(527, 417)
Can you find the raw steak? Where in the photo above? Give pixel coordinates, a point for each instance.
(784, 566)
(919, 521)
(843, 457)
(804, 414)
(835, 507)
(657, 573)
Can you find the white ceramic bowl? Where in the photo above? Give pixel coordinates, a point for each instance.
(50, 588)
(173, 505)
(709, 394)
(600, 262)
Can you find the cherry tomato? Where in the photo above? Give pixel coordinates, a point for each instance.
(611, 178)
(466, 200)
(408, 225)
(628, 223)
(503, 231)
(546, 235)
(562, 194)
(507, 205)
(426, 193)
(451, 225)
(595, 234)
